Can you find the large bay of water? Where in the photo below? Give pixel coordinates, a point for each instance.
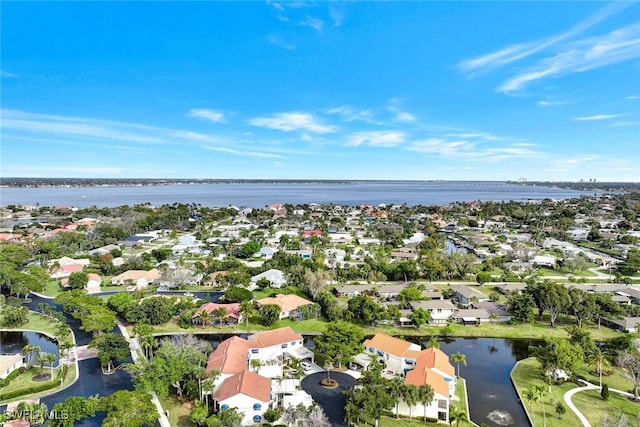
(263, 194)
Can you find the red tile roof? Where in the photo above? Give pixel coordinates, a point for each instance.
(422, 375)
(247, 383)
(233, 310)
(230, 357)
(391, 345)
(273, 337)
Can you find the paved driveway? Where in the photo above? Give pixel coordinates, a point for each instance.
(331, 400)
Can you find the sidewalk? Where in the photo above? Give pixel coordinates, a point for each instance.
(587, 386)
(134, 346)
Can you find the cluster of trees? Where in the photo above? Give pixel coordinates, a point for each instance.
(152, 310)
(377, 395)
(554, 299)
(124, 408)
(92, 311)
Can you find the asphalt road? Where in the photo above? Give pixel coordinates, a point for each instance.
(332, 400)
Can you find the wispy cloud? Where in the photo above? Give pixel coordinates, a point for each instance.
(212, 115)
(596, 117)
(315, 23)
(489, 62)
(376, 138)
(337, 14)
(403, 116)
(470, 150)
(292, 121)
(633, 97)
(551, 103)
(580, 56)
(350, 114)
(7, 74)
(279, 41)
(244, 153)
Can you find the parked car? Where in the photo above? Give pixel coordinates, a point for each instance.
(305, 365)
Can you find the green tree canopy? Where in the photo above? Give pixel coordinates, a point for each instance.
(340, 342)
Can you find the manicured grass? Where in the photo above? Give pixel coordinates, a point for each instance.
(594, 408)
(40, 322)
(402, 422)
(615, 380)
(178, 413)
(25, 380)
(51, 289)
(461, 395)
(527, 374)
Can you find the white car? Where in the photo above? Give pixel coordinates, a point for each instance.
(305, 365)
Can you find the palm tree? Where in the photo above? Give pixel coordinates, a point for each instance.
(457, 414)
(540, 390)
(598, 360)
(246, 307)
(433, 342)
(31, 352)
(459, 358)
(65, 346)
(410, 396)
(220, 314)
(425, 396)
(49, 359)
(205, 317)
(532, 397)
(395, 386)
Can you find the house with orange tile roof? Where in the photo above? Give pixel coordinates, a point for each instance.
(257, 360)
(419, 367)
(247, 391)
(289, 304)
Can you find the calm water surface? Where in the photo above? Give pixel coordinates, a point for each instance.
(260, 195)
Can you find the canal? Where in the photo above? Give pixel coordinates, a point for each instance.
(492, 398)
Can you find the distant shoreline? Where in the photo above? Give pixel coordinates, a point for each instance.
(146, 182)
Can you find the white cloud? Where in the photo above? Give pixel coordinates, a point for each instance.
(377, 138)
(350, 114)
(440, 146)
(315, 23)
(551, 103)
(337, 14)
(632, 97)
(212, 115)
(403, 116)
(7, 74)
(583, 55)
(244, 153)
(509, 54)
(596, 117)
(292, 121)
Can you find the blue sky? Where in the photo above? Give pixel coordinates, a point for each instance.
(321, 90)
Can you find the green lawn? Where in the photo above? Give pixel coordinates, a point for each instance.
(615, 380)
(527, 374)
(26, 380)
(178, 413)
(39, 322)
(51, 289)
(594, 408)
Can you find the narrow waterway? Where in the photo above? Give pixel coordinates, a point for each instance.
(492, 398)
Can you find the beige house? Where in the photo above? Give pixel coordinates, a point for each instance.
(137, 278)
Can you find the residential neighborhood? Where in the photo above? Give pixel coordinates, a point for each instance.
(271, 277)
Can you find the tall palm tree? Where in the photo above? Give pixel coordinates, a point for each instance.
(598, 360)
(49, 359)
(425, 396)
(395, 387)
(64, 347)
(532, 397)
(541, 390)
(459, 358)
(31, 352)
(246, 307)
(410, 396)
